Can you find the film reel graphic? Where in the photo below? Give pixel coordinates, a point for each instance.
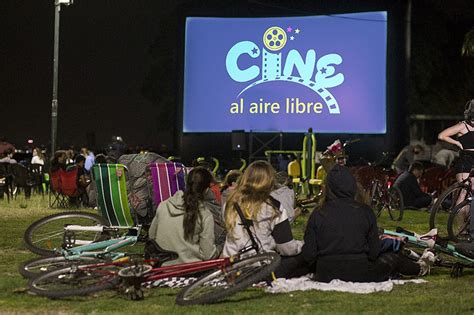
(274, 38)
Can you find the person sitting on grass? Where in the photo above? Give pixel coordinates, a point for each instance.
(183, 224)
(230, 182)
(342, 240)
(284, 193)
(270, 220)
(408, 184)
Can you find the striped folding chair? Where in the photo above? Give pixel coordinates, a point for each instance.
(112, 194)
(167, 179)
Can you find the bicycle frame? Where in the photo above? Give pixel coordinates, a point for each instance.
(98, 249)
(448, 248)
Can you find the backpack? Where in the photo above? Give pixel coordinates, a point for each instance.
(140, 185)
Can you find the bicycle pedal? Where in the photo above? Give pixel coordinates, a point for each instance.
(134, 294)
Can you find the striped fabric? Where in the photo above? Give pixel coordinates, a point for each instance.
(167, 178)
(112, 194)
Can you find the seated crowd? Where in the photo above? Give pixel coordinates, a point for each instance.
(341, 240)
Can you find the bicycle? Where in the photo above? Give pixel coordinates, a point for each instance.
(455, 194)
(454, 256)
(383, 195)
(459, 221)
(76, 238)
(231, 274)
(79, 236)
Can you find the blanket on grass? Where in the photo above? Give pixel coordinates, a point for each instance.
(305, 283)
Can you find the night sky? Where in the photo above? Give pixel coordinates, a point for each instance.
(105, 59)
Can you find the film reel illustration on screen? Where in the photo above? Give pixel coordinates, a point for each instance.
(317, 74)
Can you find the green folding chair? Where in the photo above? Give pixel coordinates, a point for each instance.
(112, 194)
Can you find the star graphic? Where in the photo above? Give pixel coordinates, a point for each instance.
(254, 50)
(292, 37)
(289, 29)
(323, 70)
(297, 31)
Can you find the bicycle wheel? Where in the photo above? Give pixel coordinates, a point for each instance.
(459, 222)
(228, 280)
(34, 267)
(453, 195)
(395, 203)
(376, 202)
(76, 280)
(46, 235)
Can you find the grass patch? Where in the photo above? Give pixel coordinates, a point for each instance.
(441, 294)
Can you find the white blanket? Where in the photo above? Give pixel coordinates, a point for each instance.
(305, 283)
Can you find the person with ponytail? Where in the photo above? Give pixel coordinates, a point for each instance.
(270, 219)
(183, 224)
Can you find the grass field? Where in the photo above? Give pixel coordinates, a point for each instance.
(441, 295)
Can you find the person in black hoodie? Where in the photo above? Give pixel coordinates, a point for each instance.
(342, 238)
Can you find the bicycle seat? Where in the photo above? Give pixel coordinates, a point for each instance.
(154, 251)
(467, 249)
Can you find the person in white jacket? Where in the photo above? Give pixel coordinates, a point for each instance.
(270, 220)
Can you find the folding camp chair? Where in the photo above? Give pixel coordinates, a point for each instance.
(22, 178)
(56, 198)
(6, 180)
(36, 175)
(167, 179)
(64, 191)
(112, 194)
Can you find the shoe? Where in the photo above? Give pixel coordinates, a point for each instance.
(427, 259)
(411, 254)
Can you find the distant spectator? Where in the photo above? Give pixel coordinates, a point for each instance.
(70, 156)
(83, 179)
(285, 194)
(58, 161)
(406, 157)
(230, 182)
(38, 156)
(8, 157)
(445, 157)
(413, 197)
(444, 153)
(90, 158)
(5, 146)
(100, 159)
(116, 148)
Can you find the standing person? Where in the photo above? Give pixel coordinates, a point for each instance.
(342, 237)
(464, 131)
(270, 221)
(183, 224)
(90, 158)
(408, 184)
(406, 157)
(38, 156)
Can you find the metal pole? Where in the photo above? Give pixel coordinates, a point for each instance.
(54, 103)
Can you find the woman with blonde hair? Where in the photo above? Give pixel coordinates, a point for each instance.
(38, 156)
(270, 220)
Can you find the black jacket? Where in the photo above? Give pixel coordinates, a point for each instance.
(409, 187)
(343, 229)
